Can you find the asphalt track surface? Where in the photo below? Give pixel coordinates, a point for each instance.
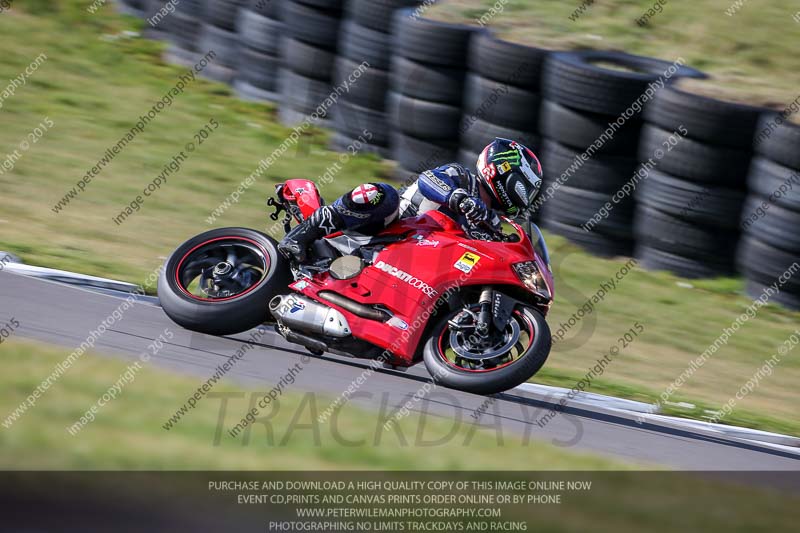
(63, 315)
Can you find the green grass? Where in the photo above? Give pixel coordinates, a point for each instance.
(751, 55)
(94, 87)
(133, 422)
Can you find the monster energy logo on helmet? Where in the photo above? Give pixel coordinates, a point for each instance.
(512, 156)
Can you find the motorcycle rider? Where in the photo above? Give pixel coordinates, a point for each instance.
(508, 180)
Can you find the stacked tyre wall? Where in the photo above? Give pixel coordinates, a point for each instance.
(632, 163)
(770, 247)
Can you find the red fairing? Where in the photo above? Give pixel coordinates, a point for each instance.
(409, 277)
(304, 193)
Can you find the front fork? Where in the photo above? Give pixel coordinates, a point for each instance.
(495, 309)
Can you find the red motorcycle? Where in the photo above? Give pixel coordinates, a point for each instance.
(469, 302)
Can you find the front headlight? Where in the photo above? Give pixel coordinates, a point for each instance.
(528, 273)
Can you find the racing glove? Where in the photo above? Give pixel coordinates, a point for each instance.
(472, 207)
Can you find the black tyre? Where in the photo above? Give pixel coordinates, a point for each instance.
(251, 93)
(501, 104)
(778, 183)
(582, 129)
(581, 81)
(308, 60)
(369, 90)
(687, 267)
(360, 43)
(355, 144)
(586, 209)
(184, 31)
(418, 155)
(766, 264)
(259, 32)
(222, 13)
(265, 8)
(507, 62)
(778, 140)
(694, 160)
(303, 94)
(220, 281)
(526, 355)
(477, 133)
(590, 241)
(772, 224)
(355, 120)
(755, 290)
(223, 42)
(377, 14)
(655, 229)
(601, 173)
(705, 119)
(257, 69)
(312, 26)
(467, 159)
(424, 119)
(431, 41)
(713, 206)
(422, 81)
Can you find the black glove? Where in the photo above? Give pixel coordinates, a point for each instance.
(472, 207)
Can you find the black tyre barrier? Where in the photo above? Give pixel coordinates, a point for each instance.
(259, 70)
(501, 104)
(184, 31)
(259, 32)
(313, 26)
(369, 90)
(308, 60)
(577, 79)
(436, 84)
(774, 225)
(765, 264)
(222, 13)
(581, 129)
(303, 94)
(418, 155)
(507, 62)
(653, 259)
(593, 242)
(377, 14)
(576, 207)
(778, 184)
(670, 234)
(599, 173)
(778, 140)
(706, 119)
(266, 8)
(697, 203)
(477, 133)
(425, 120)
(329, 5)
(352, 120)
(695, 160)
(468, 159)
(360, 43)
(134, 8)
(755, 290)
(430, 41)
(223, 42)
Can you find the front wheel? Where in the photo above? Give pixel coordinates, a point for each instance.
(220, 281)
(457, 357)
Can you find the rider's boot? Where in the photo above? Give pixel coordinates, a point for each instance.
(323, 221)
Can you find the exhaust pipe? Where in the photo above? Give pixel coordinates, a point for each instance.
(303, 314)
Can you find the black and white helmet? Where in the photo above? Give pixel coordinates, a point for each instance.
(511, 174)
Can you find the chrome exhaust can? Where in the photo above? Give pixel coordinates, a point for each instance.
(305, 315)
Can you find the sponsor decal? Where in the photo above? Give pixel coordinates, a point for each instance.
(512, 156)
(300, 285)
(421, 241)
(489, 171)
(347, 212)
(417, 283)
(367, 193)
(467, 262)
(398, 323)
(501, 191)
(297, 305)
(436, 181)
(504, 167)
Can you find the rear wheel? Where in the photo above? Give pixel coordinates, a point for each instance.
(457, 357)
(220, 281)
